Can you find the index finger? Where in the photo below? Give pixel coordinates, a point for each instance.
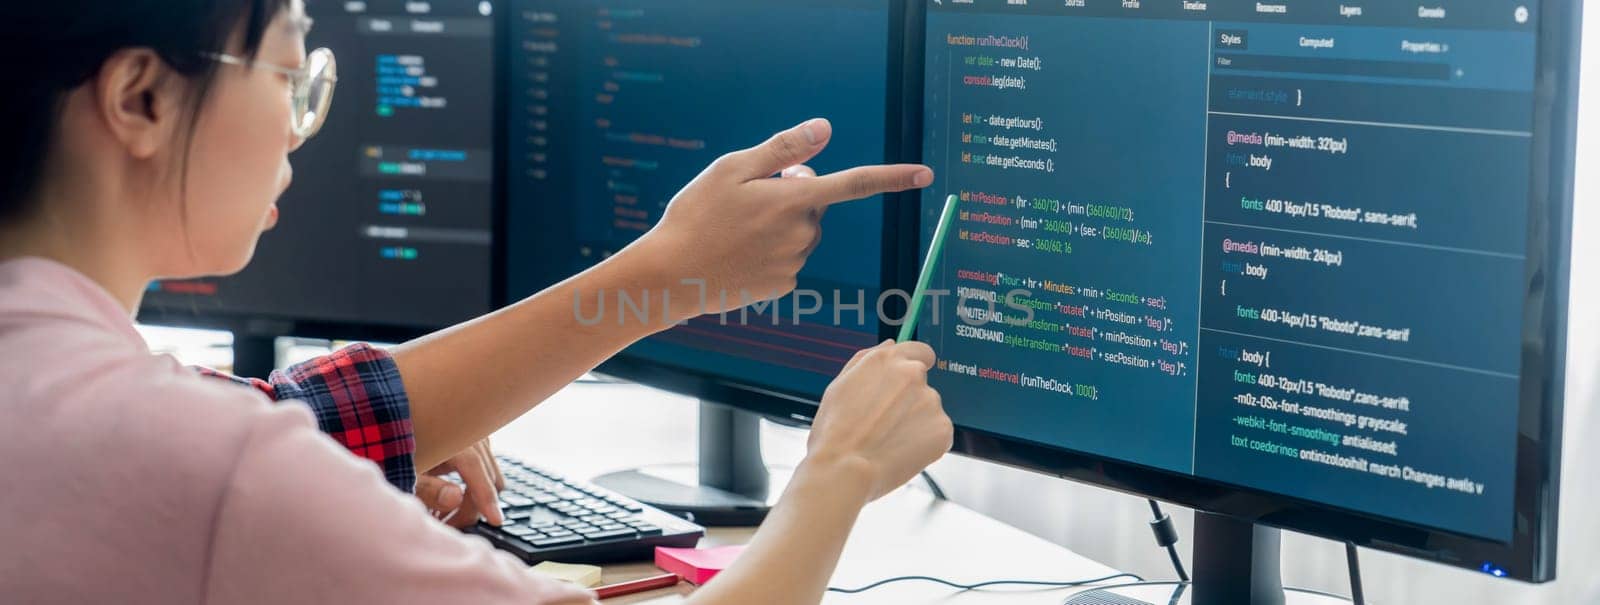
(480, 487)
(866, 181)
(487, 451)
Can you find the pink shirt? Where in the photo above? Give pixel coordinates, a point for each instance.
(131, 479)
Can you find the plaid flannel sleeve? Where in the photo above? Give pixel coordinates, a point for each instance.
(358, 399)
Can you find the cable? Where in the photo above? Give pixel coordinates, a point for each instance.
(1185, 584)
(1090, 589)
(1177, 594)
(1354, 559)
(981, 585)
(933, 486)
(1177, 563)
(1167, 537)
(1319, 593)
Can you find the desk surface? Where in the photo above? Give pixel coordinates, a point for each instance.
(906, 533)
(910, 533)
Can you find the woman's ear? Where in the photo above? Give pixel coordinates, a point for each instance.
(139, 98)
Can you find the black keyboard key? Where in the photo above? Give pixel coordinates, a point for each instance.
(557, 541)
(609, 535)
(646, 529)
(521, 547)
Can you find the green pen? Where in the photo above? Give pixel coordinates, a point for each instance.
(935, 250)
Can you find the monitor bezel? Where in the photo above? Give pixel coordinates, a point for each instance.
(1530, 555)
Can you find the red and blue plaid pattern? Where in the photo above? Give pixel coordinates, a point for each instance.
(358, 399)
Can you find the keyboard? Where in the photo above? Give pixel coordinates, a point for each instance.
(552, 518)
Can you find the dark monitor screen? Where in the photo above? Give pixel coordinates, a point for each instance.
(617, 105)
(389, 221)
(1285, 246)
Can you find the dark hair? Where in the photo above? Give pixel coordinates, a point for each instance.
(50, 47)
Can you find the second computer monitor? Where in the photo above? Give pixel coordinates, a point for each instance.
(388, 227)
(615, 106)
(1301, 257)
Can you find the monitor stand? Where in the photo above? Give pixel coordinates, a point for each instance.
(733, 488)
(1235, 563)
(254, 355)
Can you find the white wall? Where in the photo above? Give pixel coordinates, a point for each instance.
(1112, 528)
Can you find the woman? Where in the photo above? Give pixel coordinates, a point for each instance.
(148, 139)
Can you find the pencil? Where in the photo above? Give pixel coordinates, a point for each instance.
(935, 250)
(627, 588)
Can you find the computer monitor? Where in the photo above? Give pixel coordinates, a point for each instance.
(388, 229)
(1297, 263)
(616, 105)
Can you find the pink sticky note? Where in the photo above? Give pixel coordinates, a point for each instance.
(696, 565)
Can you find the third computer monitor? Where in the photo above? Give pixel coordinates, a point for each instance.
(389, 223)
(616, 105)
(1290, 246)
